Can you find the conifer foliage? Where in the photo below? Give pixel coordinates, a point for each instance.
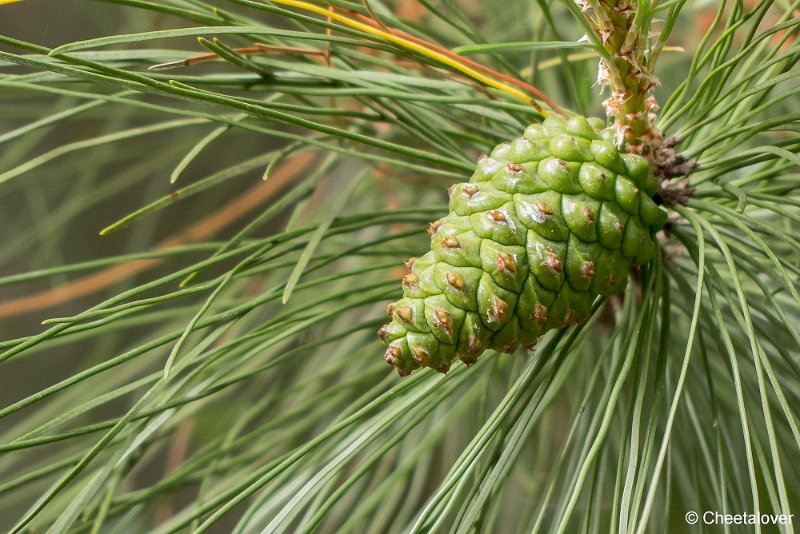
(206, 205)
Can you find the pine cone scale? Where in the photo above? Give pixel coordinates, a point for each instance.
(547, 223)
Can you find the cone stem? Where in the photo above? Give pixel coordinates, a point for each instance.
(623, 31)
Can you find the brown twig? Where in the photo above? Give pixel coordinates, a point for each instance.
(374, 16)
(256, 49)
(464, 60)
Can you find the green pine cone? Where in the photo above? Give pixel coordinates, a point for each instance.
(546, 224)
